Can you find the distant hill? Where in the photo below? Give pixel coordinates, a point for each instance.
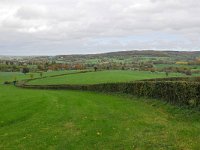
(138, 53)
(177, 55)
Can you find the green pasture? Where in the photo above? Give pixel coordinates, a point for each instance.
(47, 119)
(10, 76)
(102, 77)
(61, 119)
(194, 67)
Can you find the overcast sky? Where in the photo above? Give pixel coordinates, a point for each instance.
(50, 27)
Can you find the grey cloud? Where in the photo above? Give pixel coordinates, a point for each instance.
(31, 12)
(66, 26)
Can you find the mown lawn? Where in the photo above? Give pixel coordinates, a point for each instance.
(102, 77)
(47, 119)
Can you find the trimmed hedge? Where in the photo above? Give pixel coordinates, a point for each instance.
(190, 79)
(176, 92)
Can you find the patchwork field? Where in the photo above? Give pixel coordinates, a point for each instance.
(101, 77)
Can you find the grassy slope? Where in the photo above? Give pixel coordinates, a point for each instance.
(10, 76)
(101, 77)
(34, 119)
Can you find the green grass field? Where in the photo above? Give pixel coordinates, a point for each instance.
(36, 119)
(10, 76)
(197, 67)
(48, 119)
(101, 77)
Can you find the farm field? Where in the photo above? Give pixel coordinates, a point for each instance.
(99, 75)
(64, 119)
(102, 77)
(177, 65)
(47, 119)
(10, 76)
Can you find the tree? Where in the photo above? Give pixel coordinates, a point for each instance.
(78, 66)
(40, 67)
(15, 81)
(95, 68)
(188, 73)
(153, 70)
(25, 70)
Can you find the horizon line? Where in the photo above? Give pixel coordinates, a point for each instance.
(33, 55)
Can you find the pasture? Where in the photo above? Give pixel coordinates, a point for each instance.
(35, 119)
(62, 119)
(102, 77)
(11, 76)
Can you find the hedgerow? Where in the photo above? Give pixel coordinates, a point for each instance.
(190, 79)
(176, 92)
